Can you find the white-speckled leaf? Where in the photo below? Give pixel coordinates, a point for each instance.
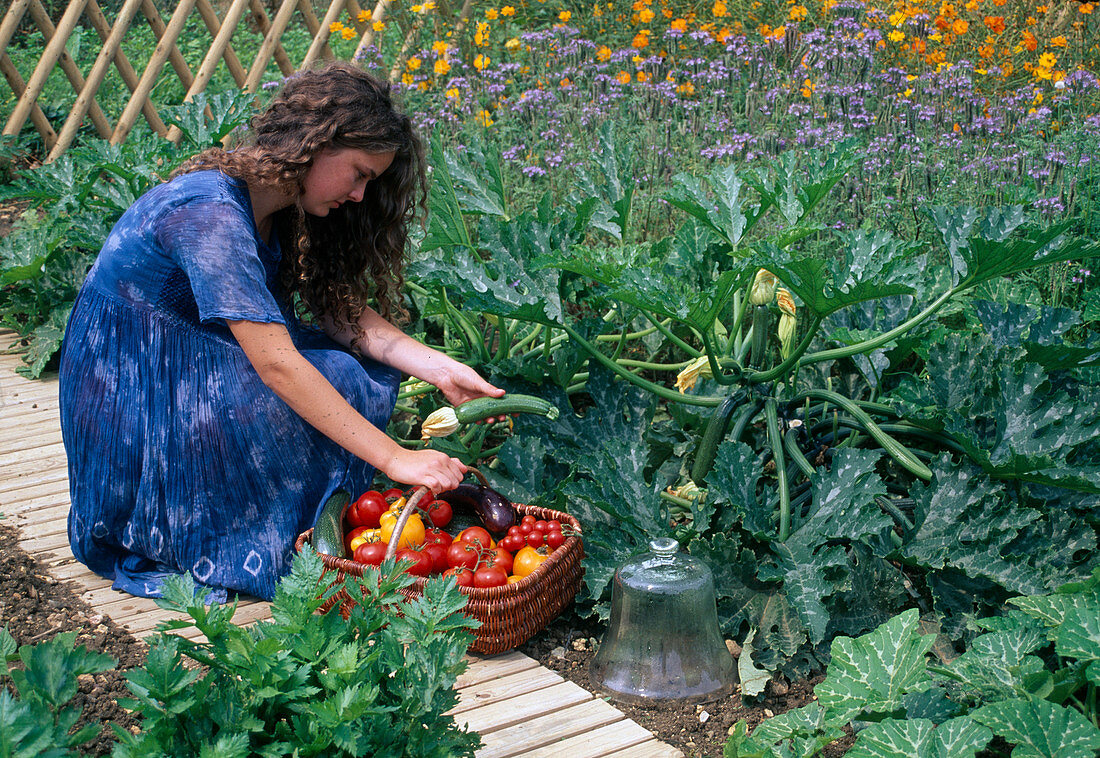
(753, 680)
(871, 674)
(1079, 635)
(1040, 729)
(920, 738)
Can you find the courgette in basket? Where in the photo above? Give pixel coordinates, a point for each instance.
(328, 532)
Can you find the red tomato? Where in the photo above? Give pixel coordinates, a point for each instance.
(422, 563)
(437, 536)
(526, 528)
(475, 535)
(528, 519)
(367, 510)
(554, 526)
(438, 554)
(439, 511)
(514, 529)
(536, 539)
(392, 494)
(371, 553)
(542, 526)
(464, 577)
(490, 576)
(501, 558)
(513, 542)
(554, 540)
(461, 555)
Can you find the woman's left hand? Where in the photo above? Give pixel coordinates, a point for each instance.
(460, 383)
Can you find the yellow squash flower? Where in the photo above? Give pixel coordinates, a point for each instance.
(439, 423)
(763, 287)
(686, 379)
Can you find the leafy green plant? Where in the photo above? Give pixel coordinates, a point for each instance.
(1030, 679)
(823, 451)
(305, 683)
(38, 721)
(74, 203)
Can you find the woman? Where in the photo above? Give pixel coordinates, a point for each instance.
(222, 374)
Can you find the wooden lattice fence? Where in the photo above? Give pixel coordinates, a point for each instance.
(133, 12)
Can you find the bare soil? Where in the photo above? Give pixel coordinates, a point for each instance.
(568, 644)
(35, 607)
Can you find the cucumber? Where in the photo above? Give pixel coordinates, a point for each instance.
(328, 532)
(487, 407)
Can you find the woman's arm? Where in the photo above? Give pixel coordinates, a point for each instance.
(387, 344)
(301, 386)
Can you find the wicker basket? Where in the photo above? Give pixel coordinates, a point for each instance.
(509, 615)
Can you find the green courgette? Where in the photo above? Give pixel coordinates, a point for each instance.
(713, 435)
(328, 532)
(487, 407)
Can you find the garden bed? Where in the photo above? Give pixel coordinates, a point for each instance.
(34, 606)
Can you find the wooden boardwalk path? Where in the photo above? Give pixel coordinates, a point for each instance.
(519, 707)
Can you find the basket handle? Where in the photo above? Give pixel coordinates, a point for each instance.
(410, 509)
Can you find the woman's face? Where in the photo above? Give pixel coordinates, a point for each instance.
(340, 175)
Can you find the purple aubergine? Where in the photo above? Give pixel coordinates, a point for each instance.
(494, 510)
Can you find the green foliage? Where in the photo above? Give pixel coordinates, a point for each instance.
(38, 721)
(1005, 685)
(307, 683)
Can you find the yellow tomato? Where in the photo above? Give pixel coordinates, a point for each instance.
(411, 536)
(527, 560)
(513, 579)
(367, 535)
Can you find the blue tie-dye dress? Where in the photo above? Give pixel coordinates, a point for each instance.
(180, 458)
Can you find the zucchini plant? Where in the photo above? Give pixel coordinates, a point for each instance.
(819, 414)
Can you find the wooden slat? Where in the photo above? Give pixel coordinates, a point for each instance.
(548, 729)
(264, 23)
(651, 749)
(175, 58)
(18, 86)
(210, 18)
(152, 70)
(523, 708)
(482, 670)
(504, 688)
(86, 98)
(321, 35)
(598, 741)
(14, 15)
(270, 45)
(68, 65)
(54, 49)
(122, 65)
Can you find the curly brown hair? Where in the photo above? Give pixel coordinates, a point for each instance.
(333, 266)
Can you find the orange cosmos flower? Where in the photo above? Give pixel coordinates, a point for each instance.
(1029, 41)
(996, 24)
(960, 26)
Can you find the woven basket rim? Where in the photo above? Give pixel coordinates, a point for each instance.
(523, 587)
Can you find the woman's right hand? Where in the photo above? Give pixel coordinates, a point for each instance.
(437, 471)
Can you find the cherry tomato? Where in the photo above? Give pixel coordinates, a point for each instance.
(526, 528)
(542, 526)
(527, 560)
(536, 539)
(438, 536)
(501, 558)
(475, 535)
(371, 553)
(439, 511)
(528, 519)
(464, 577)
(490, 576)
(438, 554)
(514, 529)
(554, 526)
(422, 563)
(461, 555)
(554, 540)
(367, 510)
(513, 542)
